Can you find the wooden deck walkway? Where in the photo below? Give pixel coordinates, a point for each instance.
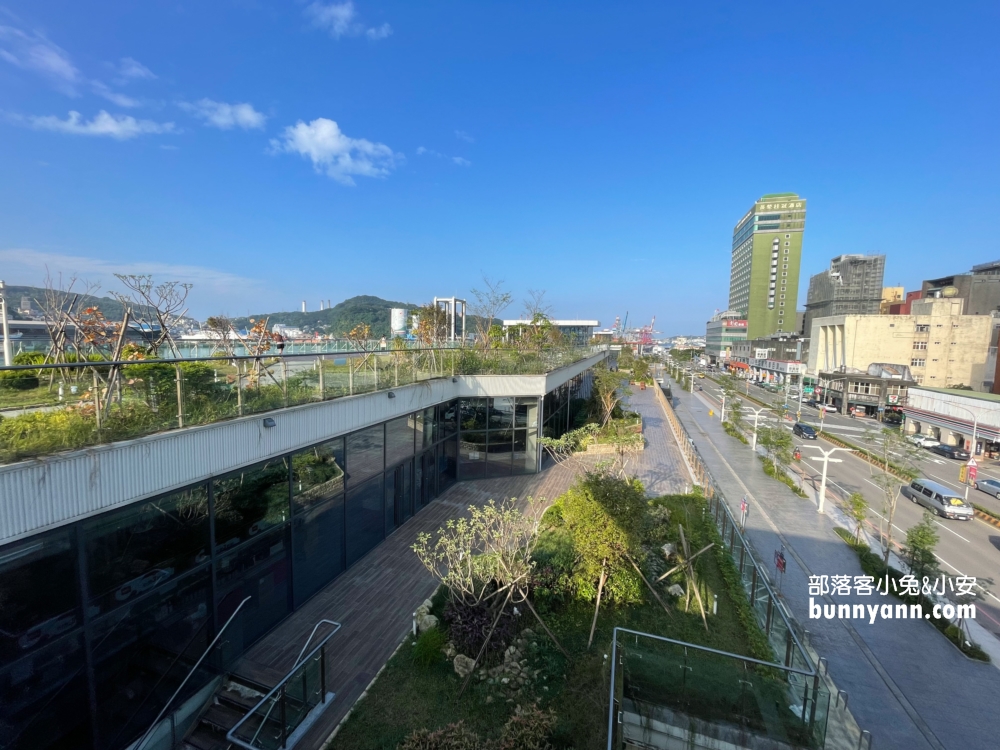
(374, 600)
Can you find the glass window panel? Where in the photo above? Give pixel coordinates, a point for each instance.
(250, 502)
(472, 413)
(137, 649)
(39, 593)
(525, 452)
(318, 474)
(424, 479)
(526, 412)
(132, 550)
(365, 522)
(408, 490)
(258, 569)
(448, 415)
(472, 455)
(365, 454)
(498, 453)
(426, 428)
(43, 698)
(399, 439)
(501, 413)
(318, 546)
(447, 464)
(390, 507)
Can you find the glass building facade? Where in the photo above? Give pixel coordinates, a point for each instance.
(100, 620)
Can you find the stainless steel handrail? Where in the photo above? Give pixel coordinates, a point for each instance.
(298, 661)
(145, 736)
(230, 735)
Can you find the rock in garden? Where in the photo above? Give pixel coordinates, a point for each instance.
(449, 650)
(669, 550)
(527, 633)
(463, 665)
(676, 590)
(426, 622)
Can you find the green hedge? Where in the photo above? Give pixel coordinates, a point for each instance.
(873, 566)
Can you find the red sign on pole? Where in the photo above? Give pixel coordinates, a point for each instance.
(779, 561)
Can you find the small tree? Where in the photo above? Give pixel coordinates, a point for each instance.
(894, 463)
(918, 551)
(857, 511)
(777, 443)
(736, 416)
(604, 516)
(640, 369)
(610, 389)
(488, 303)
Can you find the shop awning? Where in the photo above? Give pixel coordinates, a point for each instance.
(739, 365)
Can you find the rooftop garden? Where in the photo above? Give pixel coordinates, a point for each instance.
(513, 649)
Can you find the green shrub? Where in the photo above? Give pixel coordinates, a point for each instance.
(29, 358)
(428, 649)
(452, 737)
(528, 729)
(38, 433)
(18, 380)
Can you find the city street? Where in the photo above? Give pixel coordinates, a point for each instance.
(965, 548)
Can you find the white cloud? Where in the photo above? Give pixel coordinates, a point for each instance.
(35, 53)
(113, 96)
(341, 19)
(129, 69)
(119, 127)
(226, 116)
(421, 151)
(379, 33)
(334, 153)
(337, 18)
(463, 136)
(212, 289)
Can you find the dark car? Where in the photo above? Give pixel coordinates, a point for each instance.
(950, 451)
(804, 431)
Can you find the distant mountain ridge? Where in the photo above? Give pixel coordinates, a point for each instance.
(110, 307)
(336, 320)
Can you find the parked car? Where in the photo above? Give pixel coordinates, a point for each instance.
(938, 499)
(804, 431)
(950, 451)
(924, 441)
(989, 486)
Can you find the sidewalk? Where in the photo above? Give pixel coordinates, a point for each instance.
(907, 684)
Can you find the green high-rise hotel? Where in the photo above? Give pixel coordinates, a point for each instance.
(767, 250)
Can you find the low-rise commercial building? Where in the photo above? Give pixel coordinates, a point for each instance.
(942, 346)
(723, 331)
(880, 390)
(952, 416)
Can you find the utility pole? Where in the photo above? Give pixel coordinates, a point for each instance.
(8, 357)
(826, 461)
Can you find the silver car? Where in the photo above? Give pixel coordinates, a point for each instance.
(989, 486)
(938, 499)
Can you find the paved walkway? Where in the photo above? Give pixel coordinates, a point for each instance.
(907, 684)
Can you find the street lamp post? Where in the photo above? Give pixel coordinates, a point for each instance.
(826, 460)
(7, 351)
(756, 414)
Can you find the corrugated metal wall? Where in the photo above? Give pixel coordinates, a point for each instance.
(47, 492)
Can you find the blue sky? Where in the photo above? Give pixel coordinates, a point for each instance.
(278, 151)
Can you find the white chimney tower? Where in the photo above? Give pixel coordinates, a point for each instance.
(303, 306)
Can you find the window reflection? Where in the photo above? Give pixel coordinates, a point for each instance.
(399, 439)
(318, 542)
(426, 428)
(318, 474)
(473, 413)
(250, 502)
(365, 454)
(448, 417)
(39, 593)
(365, 522)
(135, 549)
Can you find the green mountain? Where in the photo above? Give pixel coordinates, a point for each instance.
(336, 320)
(110, 307)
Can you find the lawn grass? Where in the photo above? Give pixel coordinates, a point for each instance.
(408, 696)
